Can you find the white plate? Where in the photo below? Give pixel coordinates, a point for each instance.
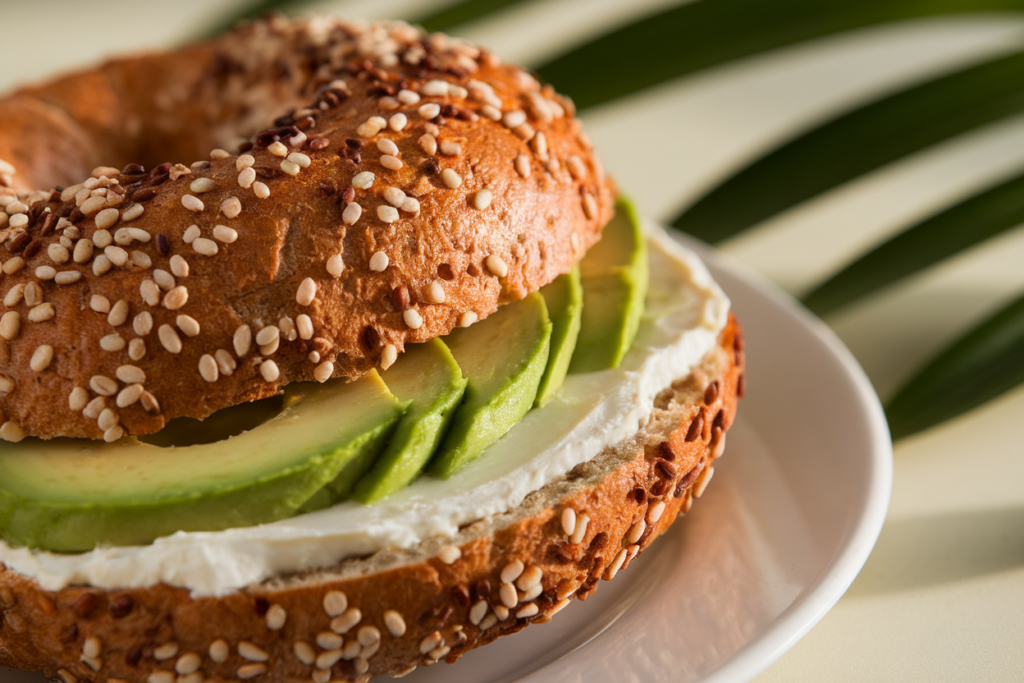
(792, 514)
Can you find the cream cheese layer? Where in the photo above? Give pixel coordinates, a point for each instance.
(686, 310)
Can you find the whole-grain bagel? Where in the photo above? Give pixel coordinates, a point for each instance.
(397, 610)
(191, 287)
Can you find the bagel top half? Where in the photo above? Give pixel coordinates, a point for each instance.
(389, 186)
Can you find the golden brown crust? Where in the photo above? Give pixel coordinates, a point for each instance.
(652, 477)
(472, 213)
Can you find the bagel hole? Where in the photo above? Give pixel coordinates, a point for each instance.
(223, 424)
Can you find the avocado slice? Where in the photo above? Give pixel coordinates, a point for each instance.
(427, 376)
(71, 495)
(615, 276)
(504, 358)
(564, 299)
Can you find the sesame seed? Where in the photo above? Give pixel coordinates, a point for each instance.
(269, 370)
(57, 253)
(41, 358)
(242, 340)
(387, 147)
(289, 167)
(305, 326)
(99, 303)
(391, 163)
(314, 356)
(589, 206)
(428, 143)
(514, 119)
(92, 647)
(176, 298)
(278, 149)
(118, 313)
(222, 233)
(117, 256)
(130, 374)
(324, 371)
(702, 481)
(398, 122)
(540, 146)
(336, 264)
(260, 190)
(41, 313)
(112, 342)
(408, 97)
(276, 617)
(394, 196)
(394, 623)
(150, 292)
(371, 126)
(246, 178)
(450, 148)
(206, 247)
(478, 612)
(14, 295)
(655, 512)
(136, 349)
(434, 88)
(413, 318)
(33, 294)
(388, 356)
(132, 212)
(363, 180)
(496, 265)
(102, 385)
(582, 521)
(304, 653)
(129, 395)
(225, 363)
(327, 659)
(577, 169)
(436, 293)
(299, 159)
(267, 335)
(163, 279)
(101, 265)
(482, 199)
(343, 623)
(247, 671)
(141, 259)
(169, 339)
(188, 663)
(94, 407)
(191, 203)
(616, 564)
(231, 207)
(335, 603)
(450, 178)
(244, 161)
(67, 277)
(201, 185)
(88, 207)
(511, 571)
(219, 651)
(568, 521)
(306, 292)
(13, 265)
(508, 596)
(46, 272)
(251, 652)
(529, 578)
(429, 111)
(468, 318)
(368, 635)
(430, 642)
(328, 640)
(188, 325)
(522, 165)
(11, 431)
(636, 531)
(379, 261)
(77, 399)
(191, 234)
(527, 611)
(449, 554)
(179, 266)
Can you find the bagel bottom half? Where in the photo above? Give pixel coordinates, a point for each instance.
(398, 609)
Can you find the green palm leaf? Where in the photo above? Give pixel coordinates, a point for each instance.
(703, 34)
(462, 12)
(981, 365)
(930, 241)
(858, 142)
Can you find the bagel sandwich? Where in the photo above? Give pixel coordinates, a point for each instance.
(388, 373)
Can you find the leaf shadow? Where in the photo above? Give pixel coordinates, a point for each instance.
(922, 552)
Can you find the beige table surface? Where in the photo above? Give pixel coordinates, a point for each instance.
(942, 596)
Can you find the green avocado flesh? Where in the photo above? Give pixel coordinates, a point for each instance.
(435, 410)
(615, 276)
(68, 495)
(428, 376)
(504, 358)
(564, 299)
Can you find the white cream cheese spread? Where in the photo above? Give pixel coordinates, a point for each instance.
(685, 312)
